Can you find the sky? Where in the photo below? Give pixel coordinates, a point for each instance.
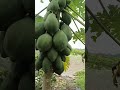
(39, 6)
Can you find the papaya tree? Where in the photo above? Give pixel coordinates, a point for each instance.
(52, 34)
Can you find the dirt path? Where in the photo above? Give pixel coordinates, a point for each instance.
(76, 65)
(67, 78)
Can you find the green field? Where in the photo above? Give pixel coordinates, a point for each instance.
(98, 61)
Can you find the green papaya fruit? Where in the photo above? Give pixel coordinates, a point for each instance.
(66, 18)
(62, 3)
(2, 35)
(58, 66)
(58, 62)
(19, 39)
(60, 40)
(13, 12)
(38, 62)
(44, 42)
(68, 2)
(51, 24)
(63, 58)
(53, 6)
(50, 0)
(69, 46)
(36, 44)
(46, 15)
(61, 23)
(39, 29)
(67, 30)
(67, 50)
(46, 65)
(59, 71)
(52, 54)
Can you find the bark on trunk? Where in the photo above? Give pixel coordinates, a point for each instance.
(47, 81)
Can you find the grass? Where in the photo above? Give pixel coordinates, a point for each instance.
(80, 80)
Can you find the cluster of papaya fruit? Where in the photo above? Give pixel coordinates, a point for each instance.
(52, 36)
(16, 40)
(16, 28)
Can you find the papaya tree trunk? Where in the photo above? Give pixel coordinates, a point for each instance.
(47, 81)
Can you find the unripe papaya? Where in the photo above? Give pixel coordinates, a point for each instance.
(44, 42)
(66, 18)
(59, 71)
(50, 0)
(68, 2)
(39, 29)
(67, 50)
(58, 62)
(58, 66)
(46, 65)
(52, 54)
(53, 6)
(63, 58)
(60, 40)
(38, 62)
(67, 30)
(69, 46)
(2, 35)
(46, 15)
(62, 3)
(13, 12)
(51, 24)
(19, 39)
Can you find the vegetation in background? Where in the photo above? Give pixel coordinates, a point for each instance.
(98, 61)
(80, 80)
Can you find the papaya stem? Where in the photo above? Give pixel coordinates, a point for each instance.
(75, 18)
(75, 12)
(75, 24)
(40, 11)
(47, 81)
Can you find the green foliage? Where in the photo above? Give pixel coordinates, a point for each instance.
(101, 61)
(77, 51)
(110, 21)
(81, 34)
(79, 7)
(38, 19)
(80, 79)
